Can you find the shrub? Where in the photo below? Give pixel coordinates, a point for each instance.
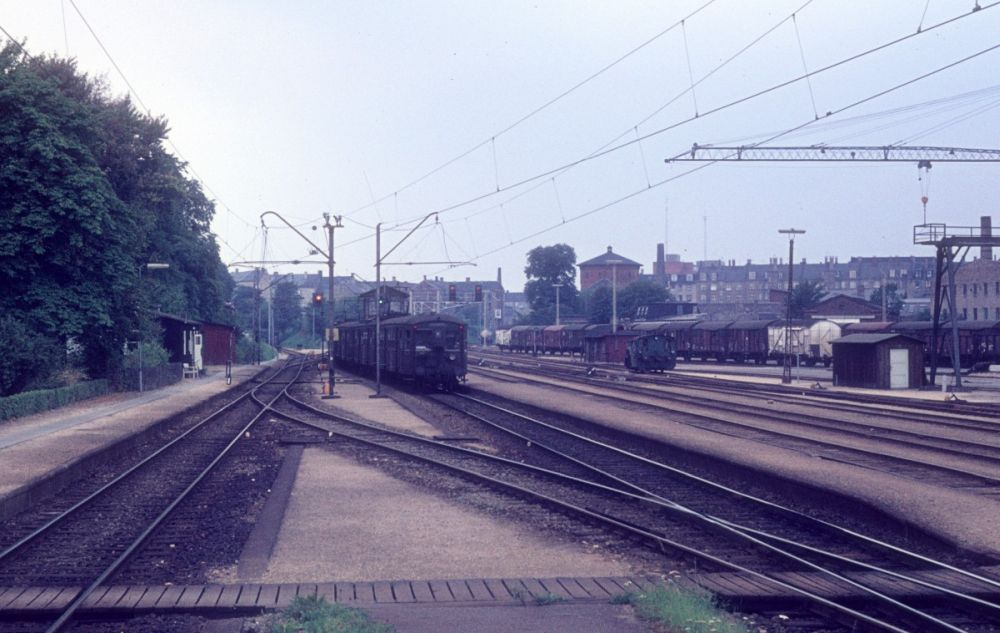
(689, 610)
(31, 402)
(153, 355)
(29, 356)
(245, 352)
(316, 615)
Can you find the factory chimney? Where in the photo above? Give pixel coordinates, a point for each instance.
(986, 228)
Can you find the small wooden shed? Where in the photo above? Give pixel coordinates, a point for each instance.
(219, 343)
(878, 361)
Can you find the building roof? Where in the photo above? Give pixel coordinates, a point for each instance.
(604, 259)
(871, 339)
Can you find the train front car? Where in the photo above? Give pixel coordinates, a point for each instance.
(439, 348)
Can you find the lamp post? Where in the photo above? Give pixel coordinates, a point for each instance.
(786, 372)
(557, 287)
(148, 266)
(614, 291)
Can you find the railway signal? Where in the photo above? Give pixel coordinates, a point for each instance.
(479, 293)
(452, 292)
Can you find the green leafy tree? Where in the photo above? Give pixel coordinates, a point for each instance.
(548, 265)
(597, 301)
(67, 243)
(28, 356)
(805, 295)
(894, 300)
(287, 310)
(639, 293)
(88, 196)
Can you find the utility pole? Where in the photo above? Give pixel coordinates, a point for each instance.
(557, 287)
(786, 372)
(330, 304)
(148, 266)
(328, 254)
(614, 292)
(379, 258)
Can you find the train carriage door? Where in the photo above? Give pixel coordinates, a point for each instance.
(899, 368)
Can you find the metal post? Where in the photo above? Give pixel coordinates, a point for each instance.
(330, 305)
(150, 266)
(936, 322)
(786, 371)
(378, 311)
(482, 333)
(140, 358)
(956, 354)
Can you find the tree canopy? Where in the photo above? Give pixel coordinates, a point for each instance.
(893, 300)
(549, 265)
(805, 295)
(88, 196)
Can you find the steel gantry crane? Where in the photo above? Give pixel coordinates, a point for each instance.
(952, 242)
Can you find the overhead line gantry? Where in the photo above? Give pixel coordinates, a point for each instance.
(948, 240)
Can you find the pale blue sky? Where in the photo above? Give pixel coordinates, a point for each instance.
(306, 107)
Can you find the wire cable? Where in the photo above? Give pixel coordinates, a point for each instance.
(542, 107)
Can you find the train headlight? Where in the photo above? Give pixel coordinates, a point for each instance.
(451, 357)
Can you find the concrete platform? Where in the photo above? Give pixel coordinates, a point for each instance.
(43, 452)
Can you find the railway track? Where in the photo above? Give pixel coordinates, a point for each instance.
(819, 398)
(956, 452)
(678, 513)
(88, 543)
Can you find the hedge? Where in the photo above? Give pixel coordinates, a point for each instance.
(30, 402)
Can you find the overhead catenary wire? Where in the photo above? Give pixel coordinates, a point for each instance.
(721, 108)
(542, 107)
(807, 123)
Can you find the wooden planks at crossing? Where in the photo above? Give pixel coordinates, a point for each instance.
(252, 598)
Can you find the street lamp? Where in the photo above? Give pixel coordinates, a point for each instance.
(329, 261)
(786, 372)
(614, 291)
(557, 287)
(148, 266)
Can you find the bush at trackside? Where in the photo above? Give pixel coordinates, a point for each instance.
(30, 402)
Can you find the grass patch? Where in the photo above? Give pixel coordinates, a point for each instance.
(316, 615)
(548, 598)
(688, 610)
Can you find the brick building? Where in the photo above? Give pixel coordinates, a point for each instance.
(609, 267)
(977, 290)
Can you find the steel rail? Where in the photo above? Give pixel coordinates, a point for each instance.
(67, 614)
(983, 412)
(628, 526)
(759, 537)
(980, 477)
(715, 485)
(927, 410)
(114, 482)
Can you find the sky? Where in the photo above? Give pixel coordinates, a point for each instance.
(527, 123)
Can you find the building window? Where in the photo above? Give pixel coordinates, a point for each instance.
(975, 314)
(965, 290)
(975, 290)
(986, 289)
(965, 313)
(892, 273)
(853, 275)
(752, 274)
